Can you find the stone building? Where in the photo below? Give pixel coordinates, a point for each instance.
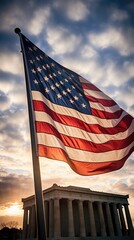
(79, 213)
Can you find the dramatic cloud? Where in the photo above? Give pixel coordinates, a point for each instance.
(38, 21)
(18, 185)
(12, 18)
(76, 11)
(15, 66)
(62, 41)
(114, 38)
(93, 38)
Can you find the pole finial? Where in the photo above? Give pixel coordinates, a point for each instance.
(17, 31)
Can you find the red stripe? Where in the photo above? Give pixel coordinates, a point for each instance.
(106, 103)
(123, 125)
(106, 115)
(82, 168)
(82, 144)
(90, 86)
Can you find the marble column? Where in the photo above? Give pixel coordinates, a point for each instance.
(116, 219)
(82, 221)
(122, 219)
(57, 227)
(29, 221)
(25, 219)
(51, 218)
(109, 220)
(102, 221)
(129, 221)
(70, 219)
(92, 219)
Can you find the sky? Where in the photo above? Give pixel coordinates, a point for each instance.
(91, 37)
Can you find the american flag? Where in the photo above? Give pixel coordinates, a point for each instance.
(76, 122)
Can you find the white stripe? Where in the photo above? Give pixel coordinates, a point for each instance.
(89, 119)
(83, 80)
(99, 106)
(96, 94)
(80, 155)
(81, 134)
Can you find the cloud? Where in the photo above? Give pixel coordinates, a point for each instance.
(11, 63)
(39, 20)
(88, 52)
(114, 38)
(76, 11)
(13, 186)
(4, 101)
(12, 18)
(119, 15)
(127, 91)
(62, 41)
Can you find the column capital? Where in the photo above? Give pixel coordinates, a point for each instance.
(57, 198)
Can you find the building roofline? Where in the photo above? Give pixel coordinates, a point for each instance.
(76, 189)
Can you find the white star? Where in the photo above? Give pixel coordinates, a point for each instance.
(47, 90)
(39, 69)
(61, 83)
(52, 87)
(43, 67)
(59, 96)
(47, 66)
(57, 84)
(37, 58)
(73, 87)
(64, 92)
(50, 76)
(31, 61)
(83, 105)
(53, 65)
(59, 72)
(68, 90)
(80, 94)
(30, 49)
(35, 48)
(46, 79)
(35, 81)
(71, 101)
(76, 98)
(41, 57)
(66, 80)
(33, 71)
(54, 75)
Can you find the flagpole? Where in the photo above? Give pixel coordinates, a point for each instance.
(40, 213)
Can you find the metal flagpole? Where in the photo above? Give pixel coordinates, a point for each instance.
(40, 213)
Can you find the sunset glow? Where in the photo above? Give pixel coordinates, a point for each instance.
(93, 39)
(14, 210)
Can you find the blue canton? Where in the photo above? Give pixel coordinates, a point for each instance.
(58, 84)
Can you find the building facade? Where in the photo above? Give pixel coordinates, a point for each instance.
(79, 213)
